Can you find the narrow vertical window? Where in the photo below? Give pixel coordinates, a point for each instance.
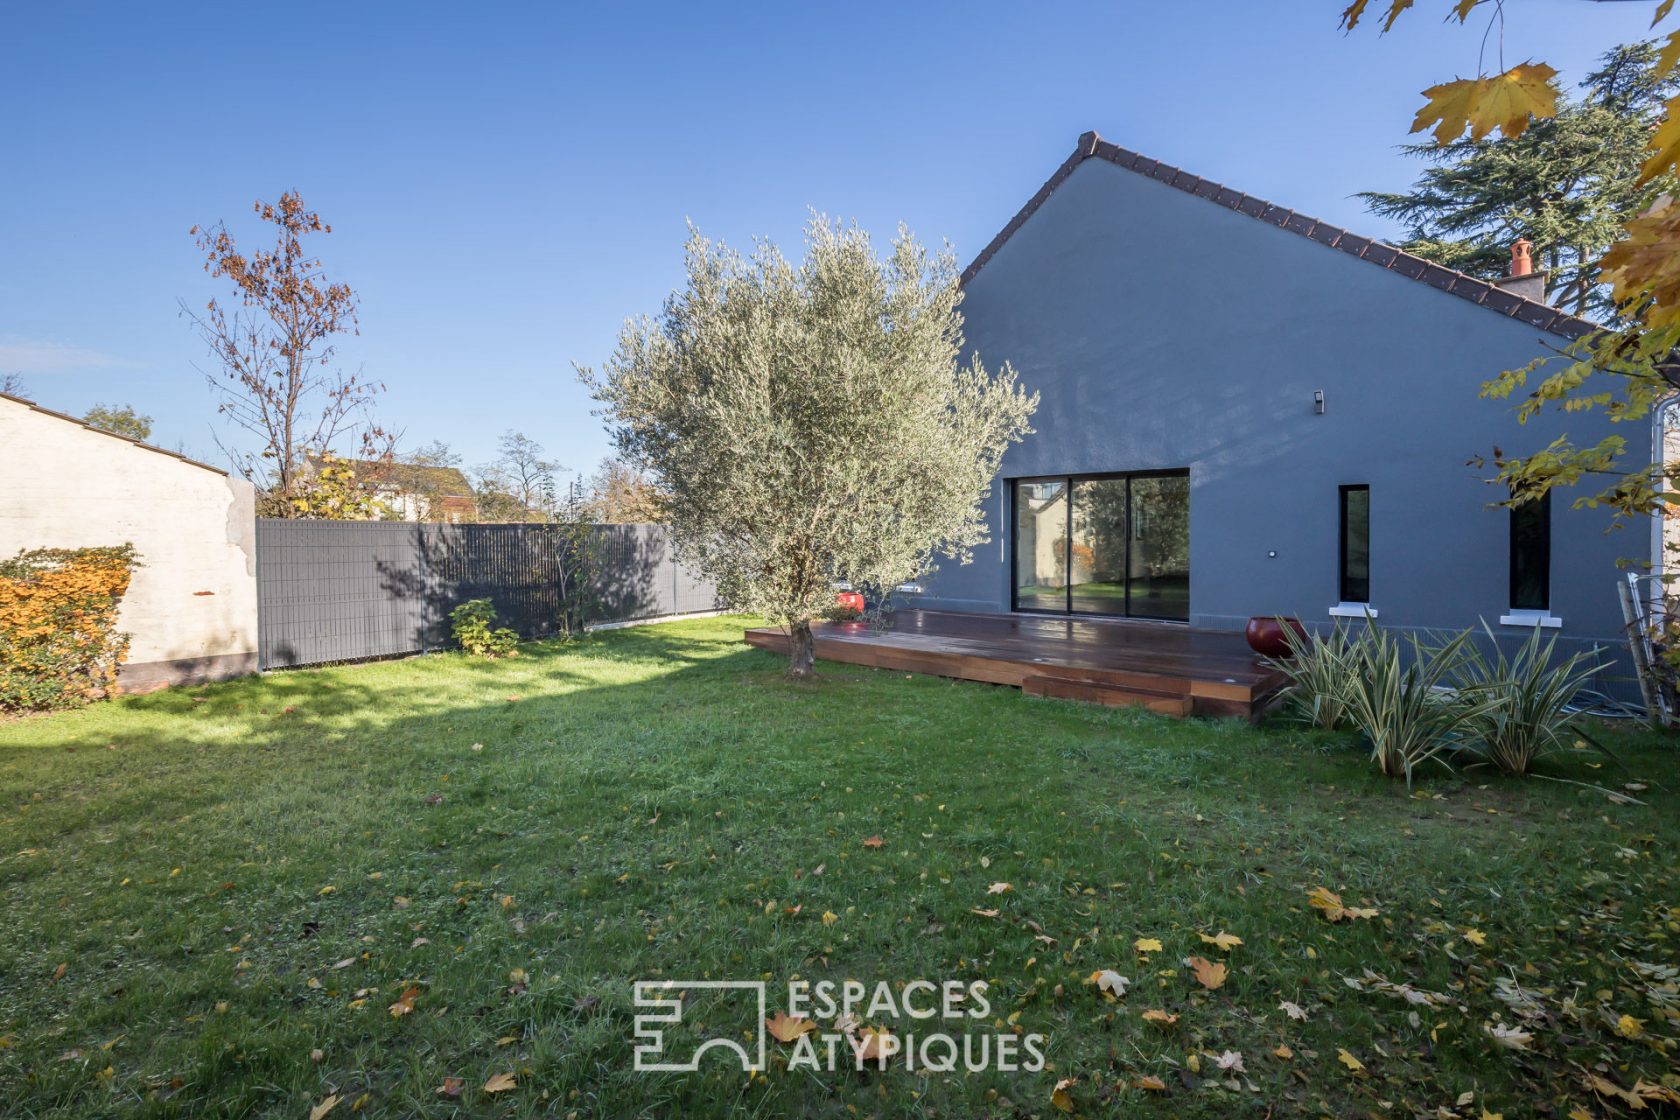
(1355, 565)
(1531, 554)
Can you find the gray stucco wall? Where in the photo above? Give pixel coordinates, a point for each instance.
(1163, 331)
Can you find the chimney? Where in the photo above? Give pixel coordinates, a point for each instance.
(1523, 281)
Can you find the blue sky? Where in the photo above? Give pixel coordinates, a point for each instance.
(507, 183)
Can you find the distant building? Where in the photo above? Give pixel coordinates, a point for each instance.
(413, 493)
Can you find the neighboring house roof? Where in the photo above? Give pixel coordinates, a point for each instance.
(1482, 293)
(445, 482)
(113, 435)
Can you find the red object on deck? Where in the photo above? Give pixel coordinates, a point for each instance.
(850, 601)
(1266, 635)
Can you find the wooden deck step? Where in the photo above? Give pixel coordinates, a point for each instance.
(1060, 688)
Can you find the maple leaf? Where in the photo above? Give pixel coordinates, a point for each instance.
(1149, 1083)
(1231, 1060)
(1349, 1061)
(1147, 945)
(1209, 974)
(829, 917)
(1351, 14)
(1629, 1027)
(1059, 1095)
(1283, 1051)
(873, 842)
(452, 1087)
(1475, 937)
(786, 1028)
(405, 1002)
(1109, 981)
(501, 1083)
(1156, 1016)
(876, 1045)
(1225, 941)
(1293, 1010)
(324, 1107)
(1503, 101)
(1330, 904)
(999, 888)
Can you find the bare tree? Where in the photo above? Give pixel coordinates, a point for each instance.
(274, 348)
(520, 485)
(11, 384)
(619, 494)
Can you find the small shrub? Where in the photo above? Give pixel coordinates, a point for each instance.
(1400, 700)
(1320, 671)
(59, 642)
(471, 624)
(1524, 716)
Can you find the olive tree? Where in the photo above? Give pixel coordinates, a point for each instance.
(812, 423)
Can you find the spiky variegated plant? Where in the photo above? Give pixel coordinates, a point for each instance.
(814, 422)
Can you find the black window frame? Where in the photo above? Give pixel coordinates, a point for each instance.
(1344, 580)
(1068, 481)
(1540, 539)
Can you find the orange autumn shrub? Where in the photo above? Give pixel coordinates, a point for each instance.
(59, 642)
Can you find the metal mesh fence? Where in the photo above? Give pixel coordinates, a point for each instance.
(345, 590)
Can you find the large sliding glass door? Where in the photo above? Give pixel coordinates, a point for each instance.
(1108, 544)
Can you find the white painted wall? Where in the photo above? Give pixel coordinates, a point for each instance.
(192, 606)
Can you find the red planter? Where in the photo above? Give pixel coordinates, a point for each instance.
(850, 603)
(1265, 634)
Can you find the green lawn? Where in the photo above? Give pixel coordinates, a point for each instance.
(212, 897)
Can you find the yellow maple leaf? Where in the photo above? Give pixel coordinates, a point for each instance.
(1147, 945)
(829, 917)
(1349, 1060)
(1209, 974)
(1059, 1095)
(1664, 146)
(786, 1028)
(501, 1083)
(1646, 263)
(1283, 1051)
(1154, 1015)
(1475, 937)
(1109, 981)
(1225, 941)
(1149, 1083)
(1503, 101)
(1629, 1027)
(405, 1002)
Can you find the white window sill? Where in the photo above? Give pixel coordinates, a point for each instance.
(1353, 610)
(909, 588)
(1531, 619)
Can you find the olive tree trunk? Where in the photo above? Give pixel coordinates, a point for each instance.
(802, 649)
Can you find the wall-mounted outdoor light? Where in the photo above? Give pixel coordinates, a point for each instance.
(1318, 401)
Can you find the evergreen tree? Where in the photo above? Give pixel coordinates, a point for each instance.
(1568, 184)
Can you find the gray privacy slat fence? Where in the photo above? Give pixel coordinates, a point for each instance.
(345, 590)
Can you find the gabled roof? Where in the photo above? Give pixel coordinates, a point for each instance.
(1479, 292)
(95, 428)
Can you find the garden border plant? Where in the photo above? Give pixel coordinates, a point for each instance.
(59, 642)
(471, 623)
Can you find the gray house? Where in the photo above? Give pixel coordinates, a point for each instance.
(1246, 411)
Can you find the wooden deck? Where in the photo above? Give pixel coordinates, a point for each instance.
(1159, 666)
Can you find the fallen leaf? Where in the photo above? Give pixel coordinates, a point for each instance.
(1149, 1083)
(1155, 1015)
(873, 842)
(58, 973)
(1059, 1095)
(1330, 904)
(1147, 945)
(501, 1083)
(452, 1087)
(786, 1028)
(876, 1045)
(1109, 981)
(324, 1107)
(1209, 974)
(999, 888)
(1350, 1061)
(1510, 1037)
(829, 917)
(1283, 1051)
(1293, 1010)
(1225, 941)
(984, 913)
(1475, 937)
(405, 1002)
(1629, 1027)
(1231, 1060)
